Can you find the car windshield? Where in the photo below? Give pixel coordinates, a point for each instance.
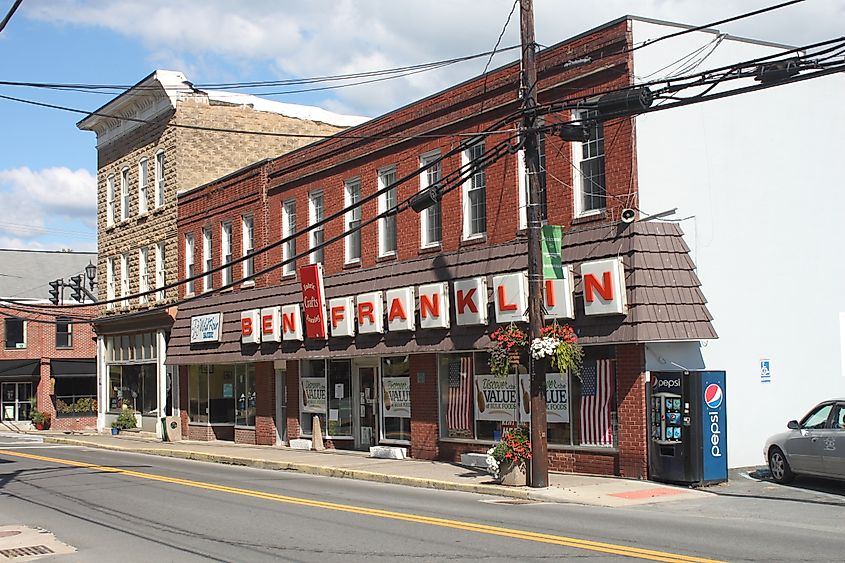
(817, 418)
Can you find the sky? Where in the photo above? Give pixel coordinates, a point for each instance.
(48, 166)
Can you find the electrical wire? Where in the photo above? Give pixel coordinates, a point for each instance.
(9, 14)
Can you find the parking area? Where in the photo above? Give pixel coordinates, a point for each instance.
(756, 482)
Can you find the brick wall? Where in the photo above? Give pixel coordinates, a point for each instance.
(631, 412)
(292, 382)
(183, 400)
(265, 396)
(424, 406)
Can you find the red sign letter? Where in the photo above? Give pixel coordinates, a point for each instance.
(550, 294)
(431, 306)
(503, 306)
(396, 310)
(289, 322)
(267, 324)
(365, 309)
(337, 315)
(605, 288)
(246, 326)
(466, 300)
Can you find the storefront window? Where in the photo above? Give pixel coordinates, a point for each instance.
(340, 398)
(396, 398)
(312, 395)
(197, 394)
(223, 394)
(245, 385)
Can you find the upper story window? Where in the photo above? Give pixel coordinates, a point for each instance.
(124, 279)
(110, 200)
(431, 229)
(315, 236)
(124, 194)
(474, 195)
(161, 270)
(15, 333)
(189, 263)
(110, 292)
(247, 244)
(351, 196)
(143, 274)
(288, 229)
(159, 179)
(522, 175)
(386, 202)
(226, 251)
(143, 181)
(64, 333)
(206, 258)
(590, 194)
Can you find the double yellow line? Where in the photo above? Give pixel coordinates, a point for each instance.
(442, 522)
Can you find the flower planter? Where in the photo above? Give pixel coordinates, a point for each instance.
(513, 474)
(39, 426)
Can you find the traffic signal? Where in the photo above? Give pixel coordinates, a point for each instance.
(76, 288)
(55, 288)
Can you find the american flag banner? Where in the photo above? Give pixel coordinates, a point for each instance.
(459, 401)
(597, 390)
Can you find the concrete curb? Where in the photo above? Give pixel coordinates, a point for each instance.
(319, 470)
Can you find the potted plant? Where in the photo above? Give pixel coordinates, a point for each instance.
(559, 343)
(41, 420)
(508, 459)
(125, 421)
(505, 342)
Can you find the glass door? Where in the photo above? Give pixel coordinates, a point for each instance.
(14, 401)
(366, 432)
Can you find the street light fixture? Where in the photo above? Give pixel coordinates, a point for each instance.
(91, 274)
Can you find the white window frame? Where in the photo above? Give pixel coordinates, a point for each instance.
(189, 263)
(289, 228)
(159, 179)
(207, 257)
(476, 182)
(161, 270)
(124, 194)
(225, 252)
(124, 279)
(427, 215)
(143, 183)
(352, 218)
(387, 200)
(110, 187)
(316, 236)
(247, 246)
(110, 289)
(579, 189)
(143, 274)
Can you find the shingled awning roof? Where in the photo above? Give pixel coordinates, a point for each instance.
(665, 302)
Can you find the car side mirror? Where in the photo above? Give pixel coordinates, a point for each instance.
(793, 425)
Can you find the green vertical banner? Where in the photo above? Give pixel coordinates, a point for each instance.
(551, 242)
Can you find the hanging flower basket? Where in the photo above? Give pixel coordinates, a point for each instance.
(559, 343)
(505, 346)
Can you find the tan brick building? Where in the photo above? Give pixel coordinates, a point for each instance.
(158, 138)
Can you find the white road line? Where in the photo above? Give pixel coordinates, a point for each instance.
(44, 447)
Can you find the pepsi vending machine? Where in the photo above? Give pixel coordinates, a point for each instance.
(687, 427)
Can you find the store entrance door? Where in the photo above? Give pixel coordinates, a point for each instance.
(365, 400)
(14, 401)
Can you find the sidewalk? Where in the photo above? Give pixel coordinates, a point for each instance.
(563, 487)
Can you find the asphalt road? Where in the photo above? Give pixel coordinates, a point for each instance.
(132, 507)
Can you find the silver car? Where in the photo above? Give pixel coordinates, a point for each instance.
(814, 446)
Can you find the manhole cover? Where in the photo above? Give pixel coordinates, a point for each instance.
(28, 551)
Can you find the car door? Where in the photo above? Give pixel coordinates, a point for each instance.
(833, 444)
(804, 447)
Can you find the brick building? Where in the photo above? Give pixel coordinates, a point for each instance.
(160, 137)
(410, 302)
(48, 357)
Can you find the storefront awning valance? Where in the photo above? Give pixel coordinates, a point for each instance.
(20, 370)
(73, 368)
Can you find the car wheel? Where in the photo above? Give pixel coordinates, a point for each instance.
(781, 472)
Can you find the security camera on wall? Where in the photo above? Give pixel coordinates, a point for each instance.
(628, 215)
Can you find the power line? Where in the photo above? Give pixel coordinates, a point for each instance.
(9, 15)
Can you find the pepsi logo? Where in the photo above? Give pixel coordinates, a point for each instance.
(713, 396)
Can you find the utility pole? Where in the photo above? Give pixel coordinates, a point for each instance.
(539, 446)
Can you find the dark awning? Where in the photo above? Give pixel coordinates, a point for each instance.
(20, 370)
(73, 368)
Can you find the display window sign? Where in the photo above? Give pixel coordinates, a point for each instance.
(400, 309)
(434, 305)
(271, 324)
(314, 306)
(557, 295)
(604, 287)
(369, 309)
(205, 328)
(471, 301)
(510, 292)
(496, 398)
(251, 327)
(396, 397)
(342, 316)
(313, 394)
(291, 322)
(557, 397)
